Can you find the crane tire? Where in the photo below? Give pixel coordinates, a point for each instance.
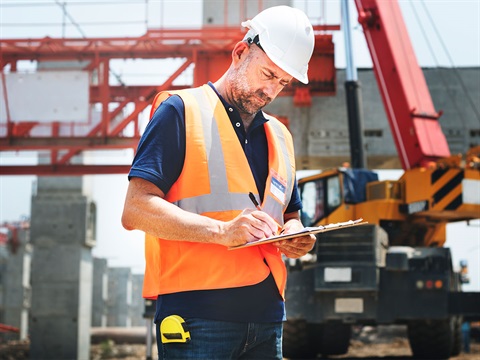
(431, 339)
(297, 342)
(334, 338)
(457, 336)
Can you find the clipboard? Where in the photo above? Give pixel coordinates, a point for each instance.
(303, 232)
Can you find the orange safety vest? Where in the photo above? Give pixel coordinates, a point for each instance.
(215, 181)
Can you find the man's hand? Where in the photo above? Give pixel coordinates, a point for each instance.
(296, 247)
(248, 226)
(146, 209)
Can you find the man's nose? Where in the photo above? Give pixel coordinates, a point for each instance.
(272, 89)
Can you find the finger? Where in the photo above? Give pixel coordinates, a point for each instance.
(294, 246)
(248, 211)
(291, 253)
(259, 230)
(298, 242)
(264, 217)
(265, 222)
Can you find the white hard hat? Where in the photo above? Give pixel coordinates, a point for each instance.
(286, 36)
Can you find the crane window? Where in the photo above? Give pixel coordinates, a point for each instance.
(320, 197)
(313, 196)
(334, 197)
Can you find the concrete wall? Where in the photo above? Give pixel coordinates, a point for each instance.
(121, 304)
(3, 279)
(17, 289)
(138, 303)
(238, 10)
(119, 297)
(62, 233)
(320, 132)
(100, 292)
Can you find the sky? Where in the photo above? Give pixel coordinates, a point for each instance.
(444, 33)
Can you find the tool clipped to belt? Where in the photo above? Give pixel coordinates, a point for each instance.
(174, 329)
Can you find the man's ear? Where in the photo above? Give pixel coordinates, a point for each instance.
(240, 50)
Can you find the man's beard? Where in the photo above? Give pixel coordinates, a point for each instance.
(246, 100)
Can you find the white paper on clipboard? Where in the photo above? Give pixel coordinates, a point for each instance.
(303, 232)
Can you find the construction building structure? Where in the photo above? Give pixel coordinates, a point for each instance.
(103, 116)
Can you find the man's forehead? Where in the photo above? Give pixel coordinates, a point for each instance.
(273, 68)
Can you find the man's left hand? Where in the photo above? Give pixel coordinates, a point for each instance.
(296, 247)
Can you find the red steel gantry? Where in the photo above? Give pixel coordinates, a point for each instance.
(208, 48)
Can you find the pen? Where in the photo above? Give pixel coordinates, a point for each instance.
(258, 207)
(254, 201)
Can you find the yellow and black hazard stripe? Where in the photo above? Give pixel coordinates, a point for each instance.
(447, 189)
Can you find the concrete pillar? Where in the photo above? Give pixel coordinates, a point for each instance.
(119, 297)
(100, 292)
(17, 289)
(62, 233)
(138, 303)
(3, 275)
(237, 10)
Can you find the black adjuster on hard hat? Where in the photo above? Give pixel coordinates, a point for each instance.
(256, 41)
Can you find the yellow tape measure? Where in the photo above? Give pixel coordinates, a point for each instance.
(174, 329)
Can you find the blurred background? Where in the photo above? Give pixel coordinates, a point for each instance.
(88, 69)
(444, 36)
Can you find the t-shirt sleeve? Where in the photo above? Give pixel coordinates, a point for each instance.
(161, 151)
(295, 203)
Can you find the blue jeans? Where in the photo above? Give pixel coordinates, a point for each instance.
(212, 339)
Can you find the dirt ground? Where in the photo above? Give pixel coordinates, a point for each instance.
(398, 349)
(394, 349)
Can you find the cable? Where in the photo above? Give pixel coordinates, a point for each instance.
(146, 15)
(436, 62)
(103, 23)
(420, 24)
(66, 13)
(70, 3)
(455, 69)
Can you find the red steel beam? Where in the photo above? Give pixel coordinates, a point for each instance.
(64, 170)
(68, 142)
(155, 44)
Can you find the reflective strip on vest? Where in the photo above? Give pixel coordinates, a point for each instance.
(220, 198)
(270, 205)
(215, 181)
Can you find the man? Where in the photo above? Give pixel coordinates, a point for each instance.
(203, 152)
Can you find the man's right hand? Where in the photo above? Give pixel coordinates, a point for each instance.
(248, 226)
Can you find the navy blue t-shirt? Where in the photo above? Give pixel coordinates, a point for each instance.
(159, 160)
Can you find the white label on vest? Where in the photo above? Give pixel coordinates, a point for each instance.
(278, 187)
